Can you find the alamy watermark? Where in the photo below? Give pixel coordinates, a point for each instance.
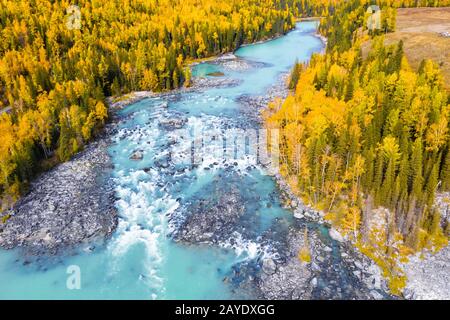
(73, 281)
(73, 20)
(374, 20)
(206, 145)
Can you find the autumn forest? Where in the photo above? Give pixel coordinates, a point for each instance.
(54, 79)
(365, 139)
(364, 136)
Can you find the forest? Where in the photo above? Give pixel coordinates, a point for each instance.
(366, 139)
(55, 71)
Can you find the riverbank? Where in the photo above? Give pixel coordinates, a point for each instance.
(428, 276)
(427, 273)
(335, 262)
(69, 205)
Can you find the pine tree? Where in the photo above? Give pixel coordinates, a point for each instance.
(295, 75)
(304, 254)
(431, 186)
(445, 172)
(187, 77)
(416, 170)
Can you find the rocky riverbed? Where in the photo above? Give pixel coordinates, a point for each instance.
(71, 204)
(74, 203)
(221, 218)
(336, 271)
(428, 276)
(212, 220)
(428, 273)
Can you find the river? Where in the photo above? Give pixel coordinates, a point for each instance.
(155, 252)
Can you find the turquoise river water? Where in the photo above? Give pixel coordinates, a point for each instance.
(141, 260)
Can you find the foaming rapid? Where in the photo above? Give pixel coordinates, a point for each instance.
(167, 191)
(247, 249)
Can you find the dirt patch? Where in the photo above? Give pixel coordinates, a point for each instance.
(423, 19)
(423, 33)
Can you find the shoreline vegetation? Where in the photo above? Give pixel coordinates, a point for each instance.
(55, 77)
(386, 208)
(121, 101)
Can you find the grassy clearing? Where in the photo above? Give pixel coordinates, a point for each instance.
(420, 29)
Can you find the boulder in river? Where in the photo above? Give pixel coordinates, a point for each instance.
(335, 235)
(173, 123)
(298, 213)
(269, 266)
(163, 162)
(137, 155)
(212, 219)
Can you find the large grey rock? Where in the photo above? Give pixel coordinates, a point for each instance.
(173, 123)
(299, 214)
(376, 295)
(137, 155)
(269, 266)
(335, 235)
(212, 219)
